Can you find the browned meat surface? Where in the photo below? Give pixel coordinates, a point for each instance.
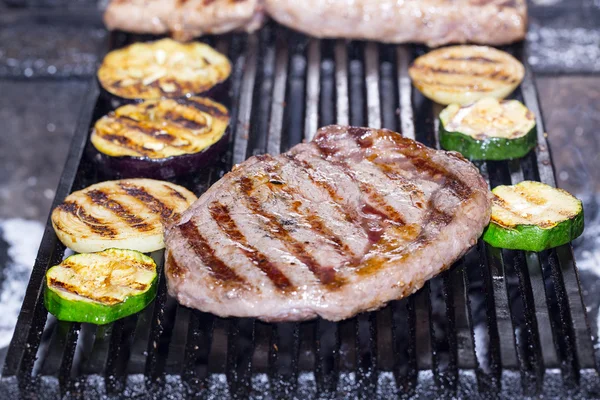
(184, 19)
(340, 225)
(434, 22)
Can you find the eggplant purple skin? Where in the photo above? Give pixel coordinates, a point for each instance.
(161, 168)
(218, 93)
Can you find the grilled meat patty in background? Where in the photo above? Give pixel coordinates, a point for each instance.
(333, 227)
(184, 19)
(434, 22)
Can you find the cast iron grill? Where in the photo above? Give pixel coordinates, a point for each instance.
(497, 324)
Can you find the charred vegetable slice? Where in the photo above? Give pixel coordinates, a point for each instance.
(465, 74)
(164, 68)
(100, 287)
(533, 216)
(489, 129)
(160, 129)
(125, 214)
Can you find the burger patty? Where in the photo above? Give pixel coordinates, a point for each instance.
(343, 224)
(434, 22)
(184, 19)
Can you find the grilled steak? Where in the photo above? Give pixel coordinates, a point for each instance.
(340, 225)
(434, 22)
(184, 19)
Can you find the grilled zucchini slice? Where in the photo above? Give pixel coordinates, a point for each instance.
(533, 216)
(124, 214)
(164, 68)
(160, 129)
(465, 74)
(489, 129)
(102, 287)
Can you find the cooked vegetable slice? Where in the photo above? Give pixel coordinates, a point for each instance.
(465, 74)
(533, 216)
(160, 129)
(100, 287)
(125, 214)
(164, 68)
(489, 129)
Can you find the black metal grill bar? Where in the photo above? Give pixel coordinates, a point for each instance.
(179, 340)
(139, 346)
(372, 63)
(242, 129)
(95, 361)
(466, 358)
(405, 92)
(404, 346)
(311, 121)
(483, 318)
(341, 79)
(278, 103)
(422, 305)
(240, 345)
(119, 353)
(162, 323)
(505, 328)
(198, 345)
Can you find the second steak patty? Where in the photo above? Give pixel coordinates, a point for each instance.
(346, 223)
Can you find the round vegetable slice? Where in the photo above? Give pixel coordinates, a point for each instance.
(161, 138)
(164, 68)
(125, 214)
(533, 216)
(488, 129)
(465, 74)
(102, 287)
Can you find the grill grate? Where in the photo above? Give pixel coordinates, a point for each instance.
(502, 323)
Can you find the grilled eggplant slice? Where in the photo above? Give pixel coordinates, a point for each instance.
(161, 138)
(164, 68)
(489, 129)
(102, 287)
(533, 216)
(465, 74)
(125, 214)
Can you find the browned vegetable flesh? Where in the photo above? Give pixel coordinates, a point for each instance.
(164, 68)
(124, 214)
(340, 225)
(160, 129)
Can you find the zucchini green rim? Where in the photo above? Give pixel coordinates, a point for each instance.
(492, 148)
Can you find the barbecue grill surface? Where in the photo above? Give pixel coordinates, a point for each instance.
(497, 324)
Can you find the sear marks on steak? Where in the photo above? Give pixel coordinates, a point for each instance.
(184, 19)
(340, 225)
(434, 22)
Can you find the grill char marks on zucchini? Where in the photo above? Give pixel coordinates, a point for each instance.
(100, 287)
(159, 129)
(488, 129)
(128, 213)
(465, 74)
(164, 68)
(533, 216)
